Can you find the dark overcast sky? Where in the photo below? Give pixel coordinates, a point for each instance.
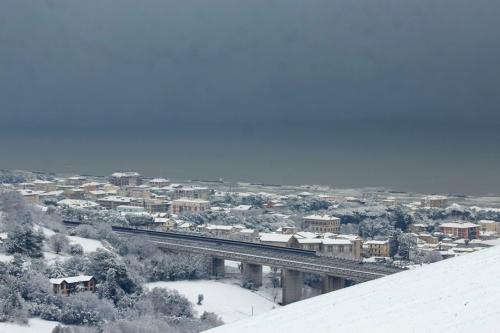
(345, 92)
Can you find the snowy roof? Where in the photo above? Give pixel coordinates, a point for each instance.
(246, 231)
(305, 234)
(488, 222)
(72, 279)
(77, 178)
(97, 192)
(159, 180)
(376, 242)
(91, 184)
(219, 227)
(459, 225)
(336, 241)
(279, 238)
(116, 198)
(52, 193)
(447, 296)
(39, 181)
(350, 237)
(435, 197)
(310, 240)
(125, 174)
(187, 200)
(321, 217)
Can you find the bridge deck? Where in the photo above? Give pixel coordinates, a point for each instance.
(262, 254)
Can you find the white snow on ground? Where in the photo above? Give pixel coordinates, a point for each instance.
(492, 242)
(236, 264)
(231, 302)
(5, 257)
(35, 325)
(89, 245)
(46, 231)
(455, 295)
(51, 256)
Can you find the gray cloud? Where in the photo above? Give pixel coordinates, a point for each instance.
(343, 73)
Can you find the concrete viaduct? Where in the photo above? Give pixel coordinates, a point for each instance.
(292, 262)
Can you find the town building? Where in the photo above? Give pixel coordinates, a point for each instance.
(278, 240)
(344, 246)
(96, 195)
(322, 223)
(377, 248)
(417, 227)
(75, 180)
(164, 222)
(113, 201)
(428, 238)
(159, 182)
(186, 205)
(156, 206)
(91, 186)
(489, 226)
(191, 192)
(140, 191)
(44, 185)
(434, 201)
(288, 230)
(218, 230)
(464, 230)
(31, 196)
(74, 193)
(129, 178)
(69, 285)
(125, 209)
(52, 196)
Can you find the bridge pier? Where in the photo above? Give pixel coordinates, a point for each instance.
(292, 283)
(332, 283)
(217, 268)
(251, 273)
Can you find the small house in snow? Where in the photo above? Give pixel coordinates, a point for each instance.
(72, 284)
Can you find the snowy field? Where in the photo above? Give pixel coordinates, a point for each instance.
(88, 245)
(35, 325)
(229, 301)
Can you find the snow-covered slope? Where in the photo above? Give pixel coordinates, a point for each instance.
(35, 325)
(230, 302)
(456, 295)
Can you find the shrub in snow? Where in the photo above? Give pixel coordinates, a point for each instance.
(85, 309)
(165, 302)
(101, 261)
(58, 243)
(75, 250)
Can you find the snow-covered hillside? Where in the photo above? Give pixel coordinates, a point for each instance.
(230, 302)
(35, 325)
(455, 295)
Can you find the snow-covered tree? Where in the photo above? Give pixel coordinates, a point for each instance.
(24, 240)
(58, 243)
